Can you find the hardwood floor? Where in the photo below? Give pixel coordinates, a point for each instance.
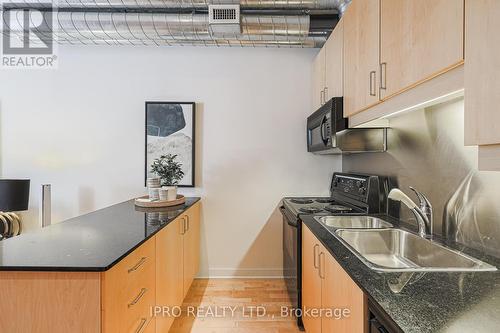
(230, 306)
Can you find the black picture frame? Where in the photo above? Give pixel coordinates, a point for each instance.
(193, 139)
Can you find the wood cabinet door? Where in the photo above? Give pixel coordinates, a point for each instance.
(361, 56)
(334, 68)
(318, 80)
(169, 271)
(311, 281)
(339, 292)
(482, 84)
(418, 41)
(191, 246)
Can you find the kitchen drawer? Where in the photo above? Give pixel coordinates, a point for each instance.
(137, 262)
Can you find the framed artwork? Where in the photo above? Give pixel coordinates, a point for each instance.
(170, 129)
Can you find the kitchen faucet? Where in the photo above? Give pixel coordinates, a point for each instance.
(423, 214)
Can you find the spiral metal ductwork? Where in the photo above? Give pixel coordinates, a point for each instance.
(279, 23)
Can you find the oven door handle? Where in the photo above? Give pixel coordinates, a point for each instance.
(287, 218)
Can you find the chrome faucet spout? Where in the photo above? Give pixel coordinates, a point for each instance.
(423, 214)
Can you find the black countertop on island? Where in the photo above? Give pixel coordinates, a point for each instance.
(92, 242)
(425, 302)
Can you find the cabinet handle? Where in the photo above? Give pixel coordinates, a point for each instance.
(383, 76)
(141, 326)
(183, 226)
(188, 223)
(321, 97)
(326, 94)
(139, 264)
(315, 248)
(373, 80)
(138, 297)
(320, 270)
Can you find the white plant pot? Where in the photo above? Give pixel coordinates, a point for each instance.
(172, 193)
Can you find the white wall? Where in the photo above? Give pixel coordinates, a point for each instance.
(81, 128)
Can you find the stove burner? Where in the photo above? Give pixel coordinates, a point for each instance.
(325, 201)
(310, 210)
(302, 201)
(338, 209)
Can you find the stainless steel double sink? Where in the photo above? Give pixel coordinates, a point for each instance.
(386, 249)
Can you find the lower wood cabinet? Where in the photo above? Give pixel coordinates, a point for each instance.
(169, 270)
(326, 286)
(191, 253)
(129, 291)
(177, 262)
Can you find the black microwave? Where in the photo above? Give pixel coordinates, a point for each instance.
(323, 125)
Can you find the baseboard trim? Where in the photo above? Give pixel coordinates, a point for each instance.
(243, 273)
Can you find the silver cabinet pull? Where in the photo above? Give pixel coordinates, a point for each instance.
(320, 270)
(141, 326)
(315, 248)
(326, 94)
(138, 297)
(373, 80)
(383, 76)
(321, 97)
(139, 264)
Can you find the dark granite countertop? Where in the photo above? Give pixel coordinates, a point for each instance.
(425, 302)
(92, 242)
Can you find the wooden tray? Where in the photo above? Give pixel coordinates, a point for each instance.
(145, 202)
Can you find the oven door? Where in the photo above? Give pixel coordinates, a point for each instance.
(292, 254)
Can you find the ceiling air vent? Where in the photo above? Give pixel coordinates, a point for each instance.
(224, 19)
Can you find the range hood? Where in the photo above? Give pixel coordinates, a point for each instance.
(328, 132)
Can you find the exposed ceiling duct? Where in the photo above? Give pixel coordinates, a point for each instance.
(193, 4)
(181, 22)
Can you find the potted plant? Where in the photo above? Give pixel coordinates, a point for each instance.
(170, 173)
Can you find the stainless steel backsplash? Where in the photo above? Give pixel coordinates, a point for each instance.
(426, 150)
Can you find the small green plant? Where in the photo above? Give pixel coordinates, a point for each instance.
(168, 170)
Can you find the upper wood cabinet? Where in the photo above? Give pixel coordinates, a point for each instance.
(325, 285)
(361, 55)
(327, 81)
(391, 46)
(482, 63)
(334, 64)
(418, 40)
(318, 79)
(482, 86)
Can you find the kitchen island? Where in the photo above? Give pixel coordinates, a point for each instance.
(99, 272)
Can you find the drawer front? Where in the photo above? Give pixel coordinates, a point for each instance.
(137, 262)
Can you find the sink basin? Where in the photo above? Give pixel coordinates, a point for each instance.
(395, 250)
(353, 222)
